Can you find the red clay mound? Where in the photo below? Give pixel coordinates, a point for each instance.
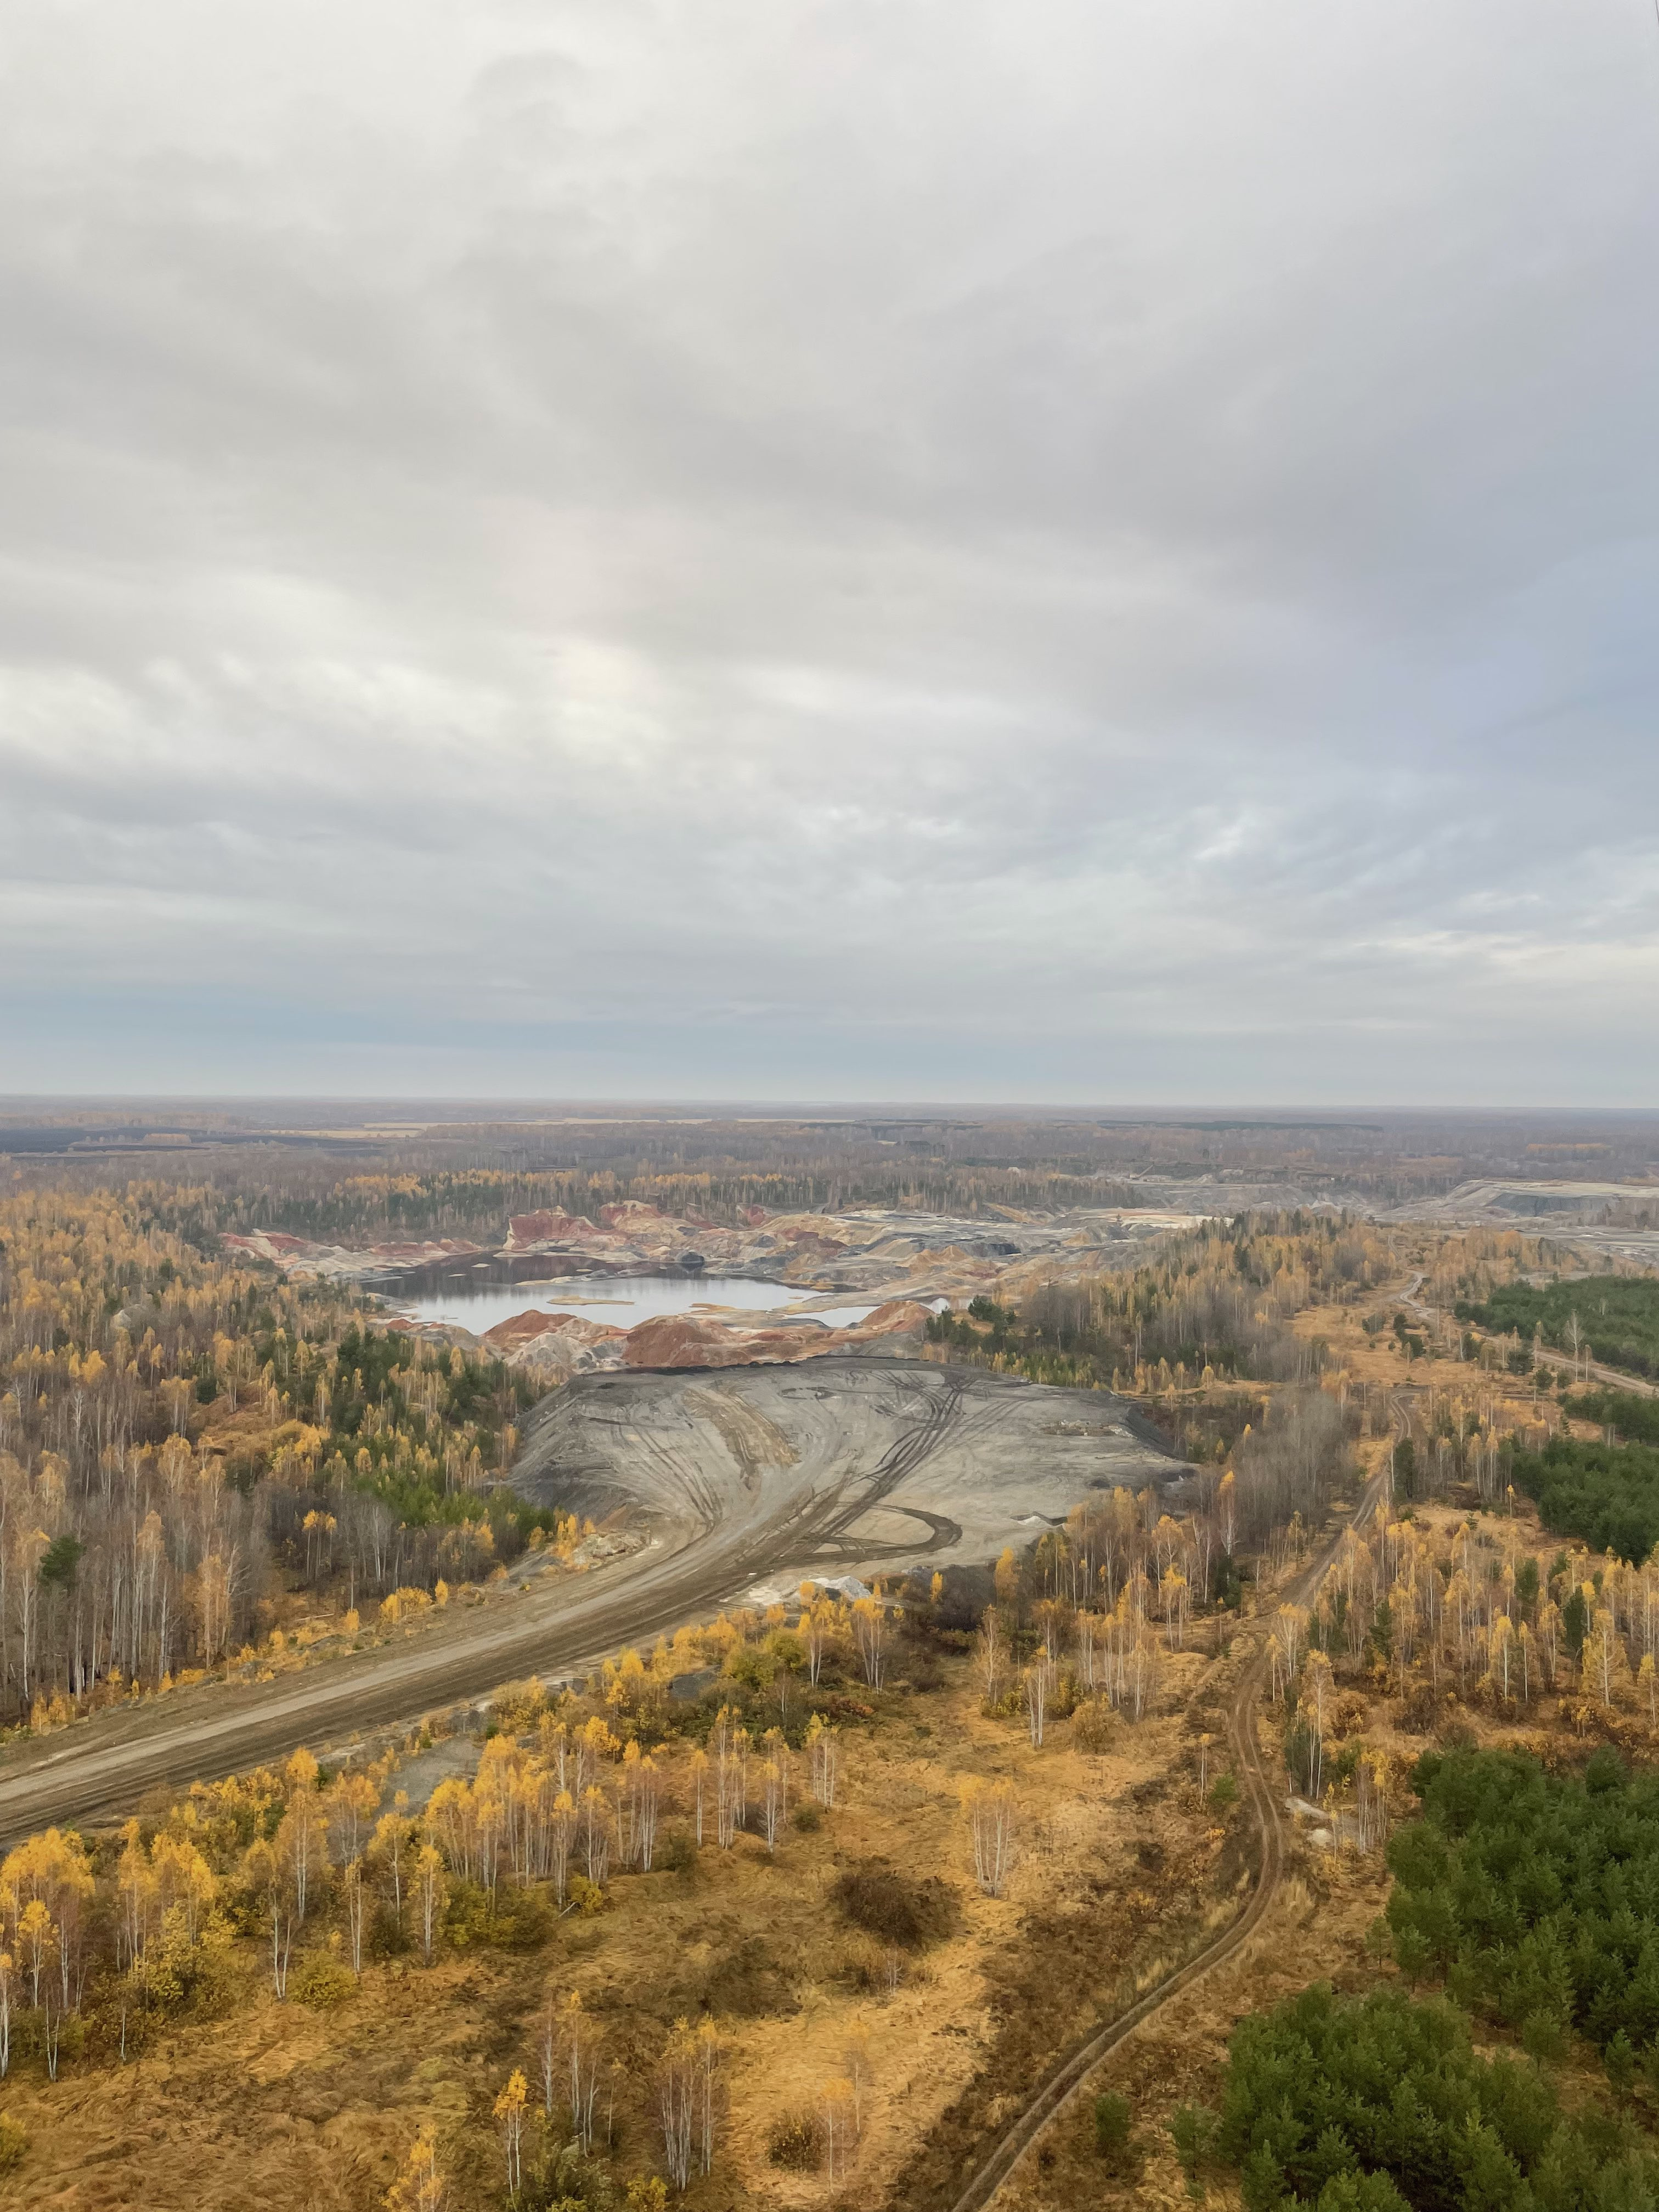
(524, 1328)
(697, 1340)
(555, 1346)
(898, 1317)
(547, 1229)
(687, 1340)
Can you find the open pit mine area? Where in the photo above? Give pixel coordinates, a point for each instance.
(745, 1481)
(896, 1265)
(850, 1465)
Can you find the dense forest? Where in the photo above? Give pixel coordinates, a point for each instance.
(1615, 1318)
(1605, 1495)
(1368, 2103)
(1472, 1613)
(182, 1440)
(479, 1202)
(1536, 1896)
(1218, 1302)
(1629, 1418)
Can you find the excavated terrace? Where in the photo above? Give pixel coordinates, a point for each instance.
(844, 1465)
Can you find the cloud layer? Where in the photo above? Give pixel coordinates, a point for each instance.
(927, 548)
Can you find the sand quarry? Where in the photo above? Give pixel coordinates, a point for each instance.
(845, 1466)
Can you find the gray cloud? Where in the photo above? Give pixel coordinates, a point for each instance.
(909, 549)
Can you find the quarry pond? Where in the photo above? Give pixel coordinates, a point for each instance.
(622, 1300)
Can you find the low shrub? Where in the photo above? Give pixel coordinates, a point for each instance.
(563, 2180)
(748, 1981)
(1193, 2131)
(1112, 2121)
(322, 1981)
(877, 1970)
(523, 1922)
(795, 2140)
(678, 1851)
(504, 1919)
(894, 1907)
(388, 1935)
(1094, 1725)
(1421, 1713)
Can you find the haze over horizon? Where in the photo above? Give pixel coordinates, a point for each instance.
(946, 553)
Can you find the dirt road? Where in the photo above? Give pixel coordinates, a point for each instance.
(1613, 1378)
(1616, 1378)
(1068, 2076)
(1269, 1812)
(747, 1473)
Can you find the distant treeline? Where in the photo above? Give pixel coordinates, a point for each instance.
(479, 1202)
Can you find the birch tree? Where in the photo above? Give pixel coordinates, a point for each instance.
(991, 1656)
(991, 1809)
(774, 1787)
(869, 1636)
(509, 2119)
(421, 2185)
(822, 1748)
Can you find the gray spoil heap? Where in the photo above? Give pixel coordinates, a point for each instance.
(840, 1466)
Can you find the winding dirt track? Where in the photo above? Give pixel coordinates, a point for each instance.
(1062, 2084)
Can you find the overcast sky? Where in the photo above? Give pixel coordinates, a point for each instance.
(1066, 550)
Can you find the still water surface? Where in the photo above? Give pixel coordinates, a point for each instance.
(621, 1300)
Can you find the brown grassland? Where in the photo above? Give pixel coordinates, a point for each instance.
(278, 2103)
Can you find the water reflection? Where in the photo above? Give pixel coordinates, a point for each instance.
(621, 1300)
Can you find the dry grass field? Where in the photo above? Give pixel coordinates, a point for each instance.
(1118, 1860)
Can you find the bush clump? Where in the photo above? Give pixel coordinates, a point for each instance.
(894, 1907)
(795, 2140)
(504, 1919)
(322, 1982)
(1112, 2123)
(677, 1852)
(1192, 2129)
(1094, 1724)
(748, 1982)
